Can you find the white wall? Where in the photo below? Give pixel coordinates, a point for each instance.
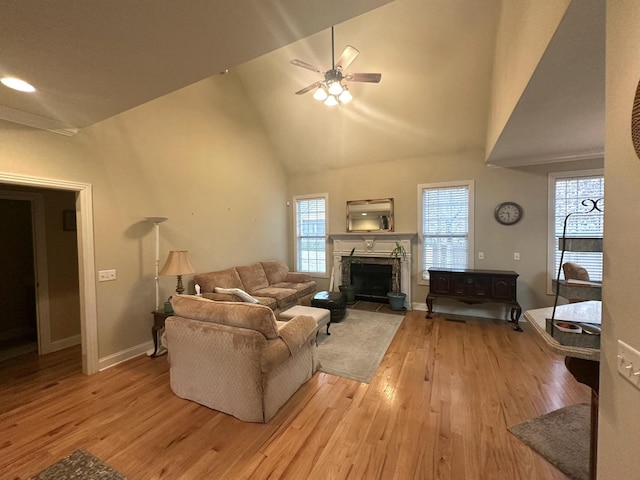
(524, 32)
(399, 179)
(198, 156)
(619, 415)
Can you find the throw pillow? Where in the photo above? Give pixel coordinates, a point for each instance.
(238, 292)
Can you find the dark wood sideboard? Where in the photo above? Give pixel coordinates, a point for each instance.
(472, 286)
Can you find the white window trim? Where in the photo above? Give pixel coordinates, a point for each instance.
(324, 274)
(470, 184)
(551, 213)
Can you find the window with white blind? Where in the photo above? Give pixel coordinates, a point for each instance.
(446, 225)
(567, 192)
(310, 217)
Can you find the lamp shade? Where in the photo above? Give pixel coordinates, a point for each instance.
(177, 264)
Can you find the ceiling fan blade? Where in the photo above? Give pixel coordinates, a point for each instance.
(308, 88)
(364, 77)
(348, 56)
(300, 63)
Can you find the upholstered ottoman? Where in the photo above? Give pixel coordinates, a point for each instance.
(335, 302)
(320, 315)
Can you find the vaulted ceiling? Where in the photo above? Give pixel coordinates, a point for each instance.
(93, 61)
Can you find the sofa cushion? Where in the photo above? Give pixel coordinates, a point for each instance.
(282, 296)
(244, 315)
(253, 277)
(276, 271)
(228, 278)
(302, 288)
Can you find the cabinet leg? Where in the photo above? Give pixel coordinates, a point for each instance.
(429, 302)
(515, 316)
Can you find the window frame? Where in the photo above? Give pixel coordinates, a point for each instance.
(553, 177)
(470, 184)
(296, 199)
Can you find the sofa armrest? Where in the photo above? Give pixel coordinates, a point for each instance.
(297, 331)
(296, 277)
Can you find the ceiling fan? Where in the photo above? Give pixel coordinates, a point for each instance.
(332, 90)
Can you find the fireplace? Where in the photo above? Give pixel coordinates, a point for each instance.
(373, 268)
(372, 281)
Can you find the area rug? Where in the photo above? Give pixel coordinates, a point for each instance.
(357, 344)
(561, 437)
(79, 465)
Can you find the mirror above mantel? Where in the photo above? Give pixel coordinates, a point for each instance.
(370, 215)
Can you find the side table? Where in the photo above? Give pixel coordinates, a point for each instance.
(159, 318)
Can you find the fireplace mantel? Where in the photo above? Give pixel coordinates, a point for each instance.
(374, 245)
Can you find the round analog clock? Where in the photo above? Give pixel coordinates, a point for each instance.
(508, 213)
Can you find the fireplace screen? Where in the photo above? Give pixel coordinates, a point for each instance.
(371, 281)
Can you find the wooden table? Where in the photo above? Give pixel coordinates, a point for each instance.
(159, 318)
(472, 286)
(582, 362)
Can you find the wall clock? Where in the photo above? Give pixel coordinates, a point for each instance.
(508, 213)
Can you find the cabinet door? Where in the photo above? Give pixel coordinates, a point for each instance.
(440, 283)
(459, 284)
(503, 288)
(478, 286)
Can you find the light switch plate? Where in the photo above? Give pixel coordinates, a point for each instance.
(629, 363)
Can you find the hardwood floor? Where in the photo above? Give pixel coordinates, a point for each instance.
(438, 408)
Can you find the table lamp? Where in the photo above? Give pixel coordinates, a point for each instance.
(178, 264)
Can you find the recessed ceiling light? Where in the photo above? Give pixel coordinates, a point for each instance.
(17, 84)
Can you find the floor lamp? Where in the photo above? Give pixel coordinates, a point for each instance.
(157, 221)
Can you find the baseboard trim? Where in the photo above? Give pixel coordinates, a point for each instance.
(65, 343)
(124, 355)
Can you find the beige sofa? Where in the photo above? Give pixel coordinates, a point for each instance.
(236, 358)
(270, 283)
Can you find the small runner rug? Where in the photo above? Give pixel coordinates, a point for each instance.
(79, 465)
(561, 437)
(357, 344)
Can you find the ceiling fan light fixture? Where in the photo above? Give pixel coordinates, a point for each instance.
(345, 96)
(331, 101)
(335, 88)
(320, 94)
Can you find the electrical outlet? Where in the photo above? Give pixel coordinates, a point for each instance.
(106, 275)
(480, 255)
(516, 256)
(629, 363)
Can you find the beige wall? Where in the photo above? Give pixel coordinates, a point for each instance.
(524, 32)
(399, 180)
(62, 267)
(619, 416)
(198, 156)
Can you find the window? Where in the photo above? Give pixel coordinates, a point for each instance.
(446, 225)
(567, 191)
(311, 228)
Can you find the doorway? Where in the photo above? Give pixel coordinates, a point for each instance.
(18, 321)
(39, 295)
(86, 269)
